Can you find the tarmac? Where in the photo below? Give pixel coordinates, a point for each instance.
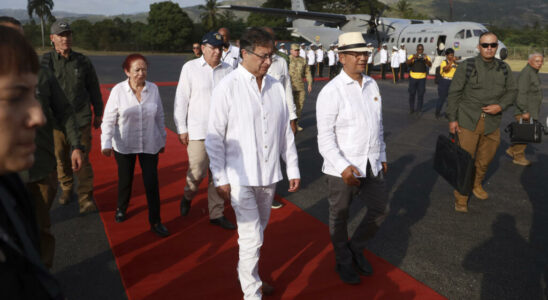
(499, 250)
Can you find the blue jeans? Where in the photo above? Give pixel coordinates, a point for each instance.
(443, 91)
(416, 86)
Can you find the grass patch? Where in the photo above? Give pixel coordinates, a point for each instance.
(517, 65)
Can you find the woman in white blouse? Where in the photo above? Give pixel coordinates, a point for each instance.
(133, 126)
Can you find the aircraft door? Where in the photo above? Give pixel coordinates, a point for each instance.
(441, 44)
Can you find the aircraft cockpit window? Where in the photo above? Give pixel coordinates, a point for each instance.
(420, 40)
(414, 40)
(468, 33)
(478, 32)
(460, 35)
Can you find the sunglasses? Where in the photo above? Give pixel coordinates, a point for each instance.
(492, 45)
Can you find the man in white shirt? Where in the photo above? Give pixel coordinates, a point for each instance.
(230, 54)
(282, 49)
(403, 58)
(383, 60)
(311, 59)
(331, 61)
(319, 60)
(191, 112)
(302, 53)
(350, 140)
(369, 67)
(248, 131)
(395, 64)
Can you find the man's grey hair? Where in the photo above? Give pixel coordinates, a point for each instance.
(536, 54)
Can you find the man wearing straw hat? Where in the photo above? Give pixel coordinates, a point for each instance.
(351, 142)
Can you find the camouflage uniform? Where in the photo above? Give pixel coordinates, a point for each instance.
(298, 69)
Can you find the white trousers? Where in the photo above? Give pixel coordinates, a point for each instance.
(252, 205)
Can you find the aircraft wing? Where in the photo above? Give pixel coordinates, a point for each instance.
(293, 14)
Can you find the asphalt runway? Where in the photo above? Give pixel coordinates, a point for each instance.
(499, 250)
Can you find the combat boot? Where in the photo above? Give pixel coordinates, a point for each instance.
(478, 190)
(64, 199)
(461, 202)
(519, 159)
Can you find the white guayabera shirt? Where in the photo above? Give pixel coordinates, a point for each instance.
(350, 130)
(248, 132)
(193, 94)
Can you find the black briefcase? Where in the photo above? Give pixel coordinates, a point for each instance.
(454, 164)
(525, 132)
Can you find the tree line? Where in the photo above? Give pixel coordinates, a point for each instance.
(170, 29)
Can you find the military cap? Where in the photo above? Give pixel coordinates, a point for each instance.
(59, 27)
(295, 47)
(213, 38)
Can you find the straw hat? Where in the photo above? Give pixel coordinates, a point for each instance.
(352, 41)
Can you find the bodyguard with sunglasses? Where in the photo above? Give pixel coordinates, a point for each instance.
(481, 89)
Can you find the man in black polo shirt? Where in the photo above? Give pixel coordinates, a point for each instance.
(418, 65)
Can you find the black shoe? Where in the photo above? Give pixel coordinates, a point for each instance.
(223, 223)
(276, 204)
(185, 206)
(159, 229)
(120, 216)
(361, 263)
(347, 274)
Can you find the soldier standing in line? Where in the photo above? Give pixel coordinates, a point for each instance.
(298, 69)
(331, 57)
(383, 60)
(395, 64)
(319, 60)
(528, 102)
(403, 58)
(369, 67)
(481, 89)
(76, 76)
(311, 59)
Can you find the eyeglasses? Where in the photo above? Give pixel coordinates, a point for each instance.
(262, 57)
(195, 47)
(492, 45)
(357, 54)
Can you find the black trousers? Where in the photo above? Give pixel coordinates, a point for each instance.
(403, 70)
(369, 69)
(320, 69)
(383, 71)
(126, 168)
(332, 71)
(443, 92)
(313, 70)
(372, 191)
(416, 86)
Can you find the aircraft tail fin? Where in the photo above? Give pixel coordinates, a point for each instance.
(298, 5)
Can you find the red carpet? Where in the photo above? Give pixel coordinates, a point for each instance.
(198, 260)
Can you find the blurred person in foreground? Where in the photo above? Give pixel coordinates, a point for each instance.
(135, 104)
(247, 133)
(528, 103)
(41, 178)
(351, 142)
(22, 273)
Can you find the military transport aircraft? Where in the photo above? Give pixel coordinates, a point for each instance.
(324, 28)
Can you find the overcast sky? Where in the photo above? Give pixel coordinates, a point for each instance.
(103, 7)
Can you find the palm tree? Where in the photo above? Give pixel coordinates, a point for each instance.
(42, 8)
(210, 16)
(403, 7)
